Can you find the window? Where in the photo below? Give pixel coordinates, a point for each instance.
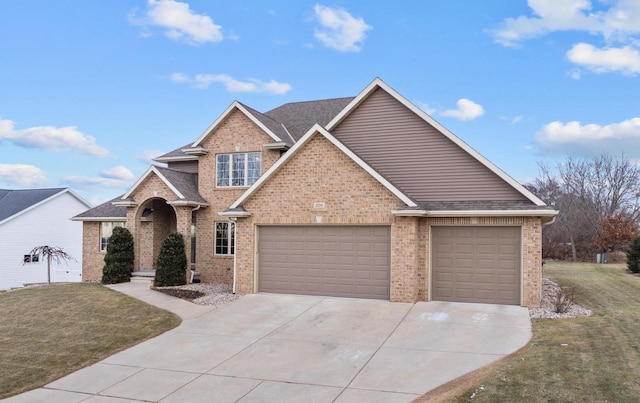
(106, 229)
(31, 258)
(225, 238)
(239, 169)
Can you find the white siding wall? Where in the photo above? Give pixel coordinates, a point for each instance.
(47, 224)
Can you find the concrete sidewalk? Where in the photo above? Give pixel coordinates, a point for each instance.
(290, 348)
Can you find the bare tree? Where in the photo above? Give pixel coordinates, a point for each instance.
(586, 192)
(52, 253)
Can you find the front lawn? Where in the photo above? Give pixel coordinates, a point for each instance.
(50, 331)
(594, 359)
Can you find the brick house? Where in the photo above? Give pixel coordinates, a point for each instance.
(364, 197)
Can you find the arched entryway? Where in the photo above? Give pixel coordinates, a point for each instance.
(155, 220)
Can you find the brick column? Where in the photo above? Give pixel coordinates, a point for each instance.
(404, 259)
(531, 262)
(132, 226)
(183, 226)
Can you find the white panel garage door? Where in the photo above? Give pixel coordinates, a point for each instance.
(476, 264)
(340, 261)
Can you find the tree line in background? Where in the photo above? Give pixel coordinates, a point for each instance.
(598, 203)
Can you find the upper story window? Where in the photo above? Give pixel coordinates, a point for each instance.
(106, 229)
(238, 169)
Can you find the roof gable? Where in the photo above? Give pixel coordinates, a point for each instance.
(386, 162)
(318, 130)
(183, 184)
(253, 115)
(14, 203)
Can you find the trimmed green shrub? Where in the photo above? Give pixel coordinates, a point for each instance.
(633, 256)
(171, 266)
(118, 262)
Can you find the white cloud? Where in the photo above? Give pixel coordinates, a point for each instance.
(202, 81)
(466, 110)
(179, 21)
(340, 30)
(51, 138)
(625, 59)
(549, 16)
(516, 119)
(118, 172)
(23, 175)
(619, 23)
(575, 138)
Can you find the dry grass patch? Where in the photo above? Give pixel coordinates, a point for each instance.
(50, 331)
(595, 359)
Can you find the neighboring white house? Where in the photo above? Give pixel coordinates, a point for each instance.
(37, 217)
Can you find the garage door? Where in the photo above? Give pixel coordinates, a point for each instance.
(340, 261)
(476, 264)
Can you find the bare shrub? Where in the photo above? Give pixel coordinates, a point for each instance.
(565, 299)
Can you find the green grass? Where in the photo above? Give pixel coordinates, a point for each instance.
(50, 331)
(600, 363)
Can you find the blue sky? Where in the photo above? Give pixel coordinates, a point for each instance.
(91, 90)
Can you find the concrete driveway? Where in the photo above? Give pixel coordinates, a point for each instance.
(289, 348)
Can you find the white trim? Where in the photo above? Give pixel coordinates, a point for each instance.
(195, 151)
(217, 122)
(98, 219)
(125, 203)
(489, 213)
(319, 129)
(178, 158)
(410, 213)
(179, 203)
(230, 169)
(152, 169)
(41, 202)
(231, 244)
(281, 145)
(378, 83)
(293, 141)
(238, 214)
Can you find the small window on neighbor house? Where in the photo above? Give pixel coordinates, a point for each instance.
(237, 170)
(106, 229)
(225, 238)
(31, 259)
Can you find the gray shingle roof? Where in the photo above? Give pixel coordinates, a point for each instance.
(175, 153)
(105, 210)
(481, 205)
(299, 117)
(15, 201)
(275, 127)
(185, 182)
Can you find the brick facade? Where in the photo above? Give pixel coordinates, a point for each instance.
(237, 134)
(319, 172)
(92, 257)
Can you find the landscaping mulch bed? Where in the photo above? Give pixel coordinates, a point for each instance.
(181, 293)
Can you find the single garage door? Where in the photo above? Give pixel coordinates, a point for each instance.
(476, 264)
(340, 261)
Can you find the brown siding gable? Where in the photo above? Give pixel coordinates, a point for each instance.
(316, 130)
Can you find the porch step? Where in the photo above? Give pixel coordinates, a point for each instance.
(146, 275)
